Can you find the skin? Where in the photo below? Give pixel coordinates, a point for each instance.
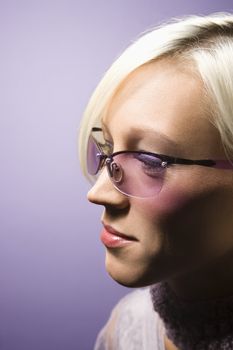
(184, 234)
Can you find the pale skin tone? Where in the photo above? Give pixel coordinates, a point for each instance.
(184, 234)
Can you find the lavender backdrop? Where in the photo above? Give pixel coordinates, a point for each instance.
(54, 291)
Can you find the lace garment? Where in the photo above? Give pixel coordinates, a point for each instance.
(132, 325)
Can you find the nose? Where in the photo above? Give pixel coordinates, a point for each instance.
(104, 193)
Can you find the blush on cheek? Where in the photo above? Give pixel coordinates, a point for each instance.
(165, 203)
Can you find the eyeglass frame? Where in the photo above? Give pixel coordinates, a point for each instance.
(108, 159)
(166, 160)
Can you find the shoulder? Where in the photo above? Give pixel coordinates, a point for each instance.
(132, 323)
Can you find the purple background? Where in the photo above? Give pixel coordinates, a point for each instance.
(54, 291)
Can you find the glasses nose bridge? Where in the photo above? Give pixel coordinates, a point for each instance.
(105, 159)
(115, 170)
(108, 161)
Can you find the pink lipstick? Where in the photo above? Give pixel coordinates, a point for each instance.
(113, 239)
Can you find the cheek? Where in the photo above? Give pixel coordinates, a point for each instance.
(162, 218)
(163, 205)
(189, 219)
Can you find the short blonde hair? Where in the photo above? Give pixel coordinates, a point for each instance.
(205, 40)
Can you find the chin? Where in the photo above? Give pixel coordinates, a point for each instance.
(131, 277)
(133, 282)
(138, 271)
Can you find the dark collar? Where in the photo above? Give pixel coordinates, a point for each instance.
(199, 325)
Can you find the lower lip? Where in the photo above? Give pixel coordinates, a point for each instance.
(113, 241)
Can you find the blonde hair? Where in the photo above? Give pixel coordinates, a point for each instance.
(205, 40)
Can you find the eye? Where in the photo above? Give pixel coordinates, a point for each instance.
(151, 164)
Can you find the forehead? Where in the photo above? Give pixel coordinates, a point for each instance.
(167, 97)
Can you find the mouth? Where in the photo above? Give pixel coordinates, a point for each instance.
(112, 238)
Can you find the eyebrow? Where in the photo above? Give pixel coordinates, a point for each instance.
(152, 132)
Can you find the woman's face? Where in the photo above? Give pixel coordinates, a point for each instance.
(189, 223)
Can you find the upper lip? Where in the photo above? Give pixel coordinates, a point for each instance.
(117, 233)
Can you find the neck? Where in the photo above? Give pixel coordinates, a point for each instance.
(212, 281)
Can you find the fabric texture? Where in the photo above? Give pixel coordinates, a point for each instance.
(196, 325)
(143, 317)
(132, 325)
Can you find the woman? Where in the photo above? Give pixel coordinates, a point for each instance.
(157, 139)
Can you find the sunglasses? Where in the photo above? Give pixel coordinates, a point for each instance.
(137, 174)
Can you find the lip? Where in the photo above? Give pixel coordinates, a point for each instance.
(112, 238)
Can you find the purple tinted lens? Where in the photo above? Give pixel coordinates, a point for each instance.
(92, 159)
(142, 175)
